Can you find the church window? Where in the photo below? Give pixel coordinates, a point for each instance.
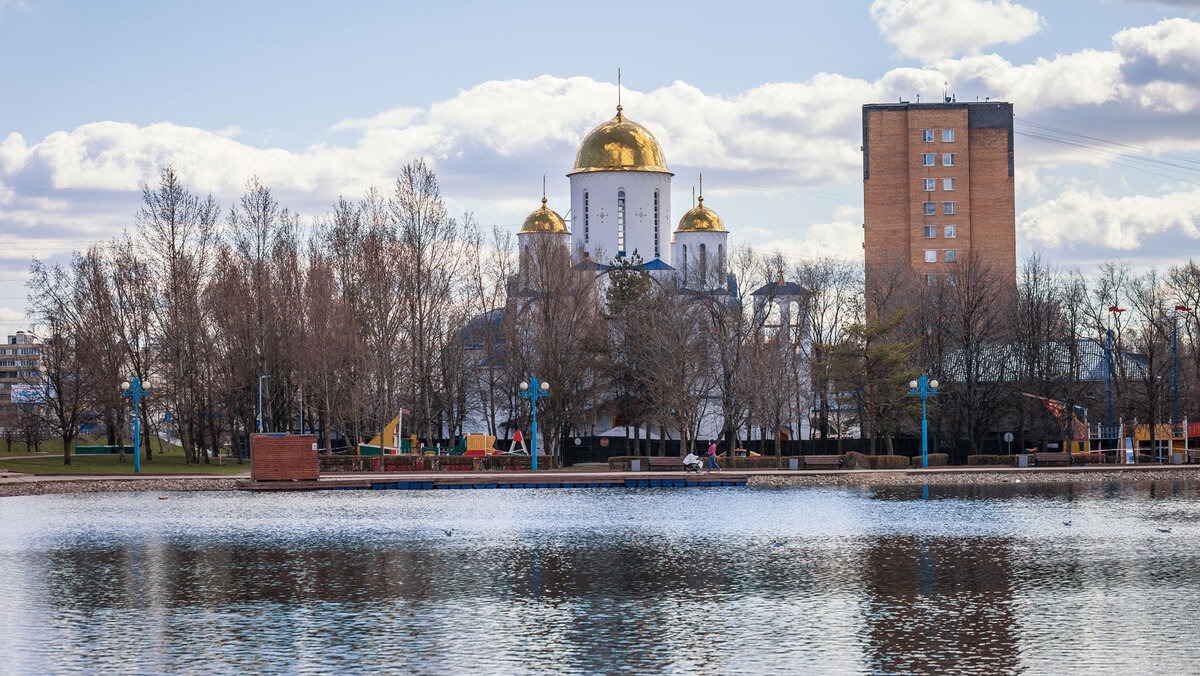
(685, 265)
(621, 224)
(656, 251)
(703, 264)
(721, 258)
(585, 217)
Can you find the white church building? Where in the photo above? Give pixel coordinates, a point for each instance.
(621, 205)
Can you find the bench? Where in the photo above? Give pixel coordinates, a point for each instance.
(834, 461)
(1064, 458)
(665, 463)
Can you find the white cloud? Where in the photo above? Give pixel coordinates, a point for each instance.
(840, 238)
(491, 143)
(928, 30)
(1091, 217)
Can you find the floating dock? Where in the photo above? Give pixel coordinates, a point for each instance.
(428, 482)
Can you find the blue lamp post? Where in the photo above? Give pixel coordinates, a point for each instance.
(136, 390)
(1113, 309)
(533, 389)
(924, 387)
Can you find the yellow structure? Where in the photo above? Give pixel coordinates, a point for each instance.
(481, 442)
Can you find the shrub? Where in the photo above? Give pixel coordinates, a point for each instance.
(856, 460)
(1087, 458)
(888, 461)
(936, 460)
(1009, 460)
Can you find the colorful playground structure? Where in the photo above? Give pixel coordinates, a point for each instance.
(468, 445)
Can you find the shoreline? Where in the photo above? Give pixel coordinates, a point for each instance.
(25, 485)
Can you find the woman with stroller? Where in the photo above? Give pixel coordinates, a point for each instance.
(691, 463)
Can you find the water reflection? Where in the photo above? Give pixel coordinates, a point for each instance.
(971, 580)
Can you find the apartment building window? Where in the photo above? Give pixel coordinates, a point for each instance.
(947, 184)
(621, 224)
(947, 159)
(930, 279)
(951, 255)
(927, 159)
(950, 231)
(931, 208)
(928, 135)
(931, 255)
(930, 231)
(949, 208)
(947, 136)
(930, 184)
(951, 279)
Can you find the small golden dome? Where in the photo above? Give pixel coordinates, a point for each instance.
(701, 219)
(620, 145)
(544, 219)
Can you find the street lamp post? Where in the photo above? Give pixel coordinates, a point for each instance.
(1175, 367)
(534, 390)
(924, 387)
(136, 390)
(1108, 355)
(260, 421)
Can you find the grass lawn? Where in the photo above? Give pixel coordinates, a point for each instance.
(167, 460)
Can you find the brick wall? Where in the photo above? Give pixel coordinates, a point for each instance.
(894, 197)
(283, 458)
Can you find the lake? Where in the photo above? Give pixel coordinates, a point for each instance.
(972, 579)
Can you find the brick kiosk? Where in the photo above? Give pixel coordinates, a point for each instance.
(284, 457)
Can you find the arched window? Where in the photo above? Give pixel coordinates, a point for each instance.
(720, 259)
(656, 250)
(703, 264)
(685, 267)
(585, 217)
(621, 224)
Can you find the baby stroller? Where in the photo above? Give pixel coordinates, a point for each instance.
(692, 464)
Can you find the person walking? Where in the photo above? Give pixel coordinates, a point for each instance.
(712, 457)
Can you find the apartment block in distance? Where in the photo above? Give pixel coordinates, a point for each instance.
(937, 187)
(19, 361)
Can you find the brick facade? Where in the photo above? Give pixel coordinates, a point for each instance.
(979, 161)
(283, 457)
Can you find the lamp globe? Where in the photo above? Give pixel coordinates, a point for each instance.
(545, 387)
(524, 386)
(933, 384)
(125, 385)
(912, 384)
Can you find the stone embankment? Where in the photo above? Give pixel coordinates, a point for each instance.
(118, 486)
(972, 477)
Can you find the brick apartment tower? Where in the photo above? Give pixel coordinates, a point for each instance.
(937, 186)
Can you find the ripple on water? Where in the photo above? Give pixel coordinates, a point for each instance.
(974, 579)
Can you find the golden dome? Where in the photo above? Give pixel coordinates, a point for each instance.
(701, 219)
(544, 219)
(620, 145)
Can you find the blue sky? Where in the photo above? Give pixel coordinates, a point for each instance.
(322, 99)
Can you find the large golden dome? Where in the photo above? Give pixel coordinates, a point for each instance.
(544, 219)
(620, 145)
(701, 219)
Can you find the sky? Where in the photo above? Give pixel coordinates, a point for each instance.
(321, 100)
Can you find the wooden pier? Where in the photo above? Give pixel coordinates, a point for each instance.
(477, 481)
